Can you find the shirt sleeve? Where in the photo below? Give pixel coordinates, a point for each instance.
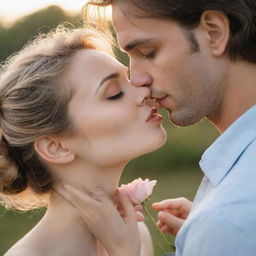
(229, 231)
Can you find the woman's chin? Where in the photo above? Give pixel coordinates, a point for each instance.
(160, 139)
(158, 145)
(154, 143)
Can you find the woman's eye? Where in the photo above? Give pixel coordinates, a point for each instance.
(117, 96)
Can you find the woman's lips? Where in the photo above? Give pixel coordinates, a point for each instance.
(154, 116)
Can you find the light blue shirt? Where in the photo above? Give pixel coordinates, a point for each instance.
(222, 221)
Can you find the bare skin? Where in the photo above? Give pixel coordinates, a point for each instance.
(189, 85)
(195, 84)
(172, 214)
(119, 225)
(83, 159)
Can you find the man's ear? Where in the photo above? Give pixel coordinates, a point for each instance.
(216, 24)
(53, 151)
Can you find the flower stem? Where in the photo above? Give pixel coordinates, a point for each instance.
(169, 244)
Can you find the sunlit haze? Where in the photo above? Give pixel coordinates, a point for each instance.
(10, 10)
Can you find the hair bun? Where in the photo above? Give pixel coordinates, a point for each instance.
(12, 181)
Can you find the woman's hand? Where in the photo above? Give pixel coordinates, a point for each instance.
(172, 214)
(119, 234)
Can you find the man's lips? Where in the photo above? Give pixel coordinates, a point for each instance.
(158, 100)
(154, 116)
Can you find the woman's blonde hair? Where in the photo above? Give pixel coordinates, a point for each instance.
(34, 103)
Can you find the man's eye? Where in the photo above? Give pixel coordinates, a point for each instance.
(150, 55)
(117, 96)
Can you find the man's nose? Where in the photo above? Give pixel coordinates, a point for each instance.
(140, 80)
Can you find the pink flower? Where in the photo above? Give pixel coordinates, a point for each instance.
(139, 190)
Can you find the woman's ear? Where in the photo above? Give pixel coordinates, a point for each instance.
(53, 151)
(216, 24)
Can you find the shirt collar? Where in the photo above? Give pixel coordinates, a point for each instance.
(219, 158)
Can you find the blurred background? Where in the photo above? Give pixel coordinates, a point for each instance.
(174, 166)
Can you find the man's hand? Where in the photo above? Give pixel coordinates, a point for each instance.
(172, 214)
(119, 234)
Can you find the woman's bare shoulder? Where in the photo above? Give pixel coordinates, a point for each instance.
(23, 248)
(21, 252)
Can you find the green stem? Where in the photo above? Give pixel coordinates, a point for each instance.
(154, 223)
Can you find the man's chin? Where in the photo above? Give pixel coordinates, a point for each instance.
(181, 120)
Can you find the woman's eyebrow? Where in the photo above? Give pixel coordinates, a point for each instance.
(109, 77)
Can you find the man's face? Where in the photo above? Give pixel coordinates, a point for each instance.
(190, 85)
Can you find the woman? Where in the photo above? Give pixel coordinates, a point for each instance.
(70, 114)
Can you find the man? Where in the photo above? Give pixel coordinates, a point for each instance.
(199, 60)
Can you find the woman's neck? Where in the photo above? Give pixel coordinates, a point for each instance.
(90, 176)
(65, 221)
(66, 229)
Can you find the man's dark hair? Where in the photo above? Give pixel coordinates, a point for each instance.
(241, 15)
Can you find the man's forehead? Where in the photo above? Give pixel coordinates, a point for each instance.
(130, 30)
(125, 16)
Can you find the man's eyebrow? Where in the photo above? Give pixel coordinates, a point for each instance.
(136, 43)
(109, 77)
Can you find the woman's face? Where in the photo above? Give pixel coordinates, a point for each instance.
(109, 115)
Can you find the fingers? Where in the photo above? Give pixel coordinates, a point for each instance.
(169, 223)
(139, 216)
(73, 195)
(165, 229)
(172, 204)
(69, 196)
(179, 206)
(138, 208)
(83, 203)
(81, 199)
(138, 211)
(127, 206)
(121, 233)
(173, 213)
